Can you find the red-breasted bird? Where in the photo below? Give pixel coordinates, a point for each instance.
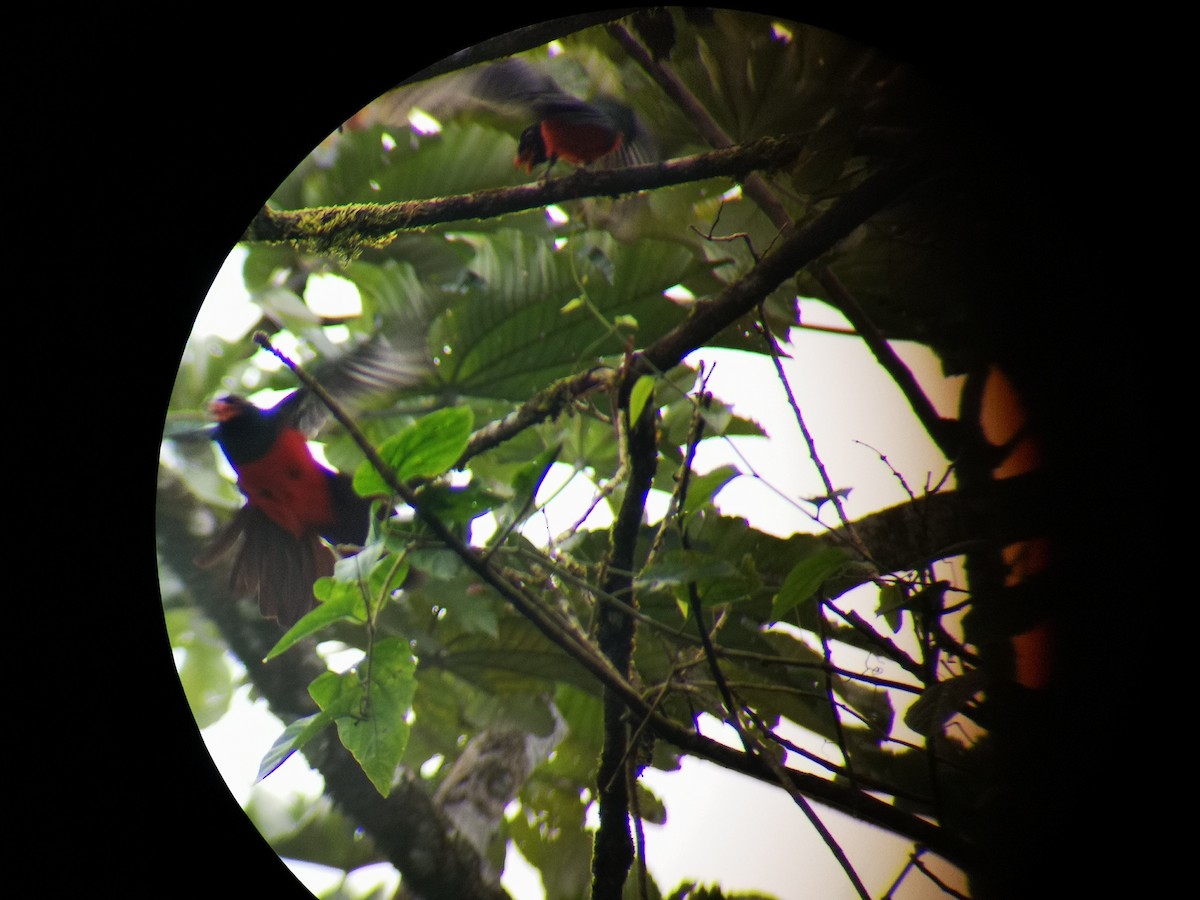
(296, 508)
(576, 131)
(564, 127)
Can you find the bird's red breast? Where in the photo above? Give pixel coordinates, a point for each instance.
(289, 485)
(297, 510)
(292, 502)
(579, 143)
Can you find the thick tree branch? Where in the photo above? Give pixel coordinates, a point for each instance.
(709, 317)
(614, 842)
(544, 406)
(353, 227)
(914, 533)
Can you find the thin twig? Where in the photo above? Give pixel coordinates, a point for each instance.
(834, 495)
(639, 834)
(683, 473)
(890, 650)
(928, 873)
(755, 186)
(732, 708)
(908, 866)
(831, 698)
(754, 749)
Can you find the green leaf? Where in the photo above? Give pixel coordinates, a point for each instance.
(827, 150)
(467, 605)
(806, 578)
(293, 738)
(523, 712)
(874, 704)
(286, 307)
(553, 836)
(208, 683)
(508, 335)
(650, 807)
(205, 673)
(372, 717)
(893, 598)
(530, 476)
(386, 576)
(703, 488)
(339, 600)
(426, 449)
(521, 659)
(642, 390)
(457, 504)
(677, 567)
(465, 157)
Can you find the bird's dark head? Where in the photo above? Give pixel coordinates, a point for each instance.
(231, 407)
(244, 431)
(531, 148)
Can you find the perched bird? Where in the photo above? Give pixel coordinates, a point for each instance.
(576, 132)
(564, 127)
(296, 508)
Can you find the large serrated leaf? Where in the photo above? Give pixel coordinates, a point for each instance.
(942, 701)
(520, 659)
(391, 289)
(508, 334)
(383, 164)
(676, 567)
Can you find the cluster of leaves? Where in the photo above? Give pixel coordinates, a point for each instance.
(515, 305)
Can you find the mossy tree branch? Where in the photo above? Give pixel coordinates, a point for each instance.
(354, 227)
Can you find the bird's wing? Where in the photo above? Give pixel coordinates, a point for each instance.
(375, 367)
(511, 89)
